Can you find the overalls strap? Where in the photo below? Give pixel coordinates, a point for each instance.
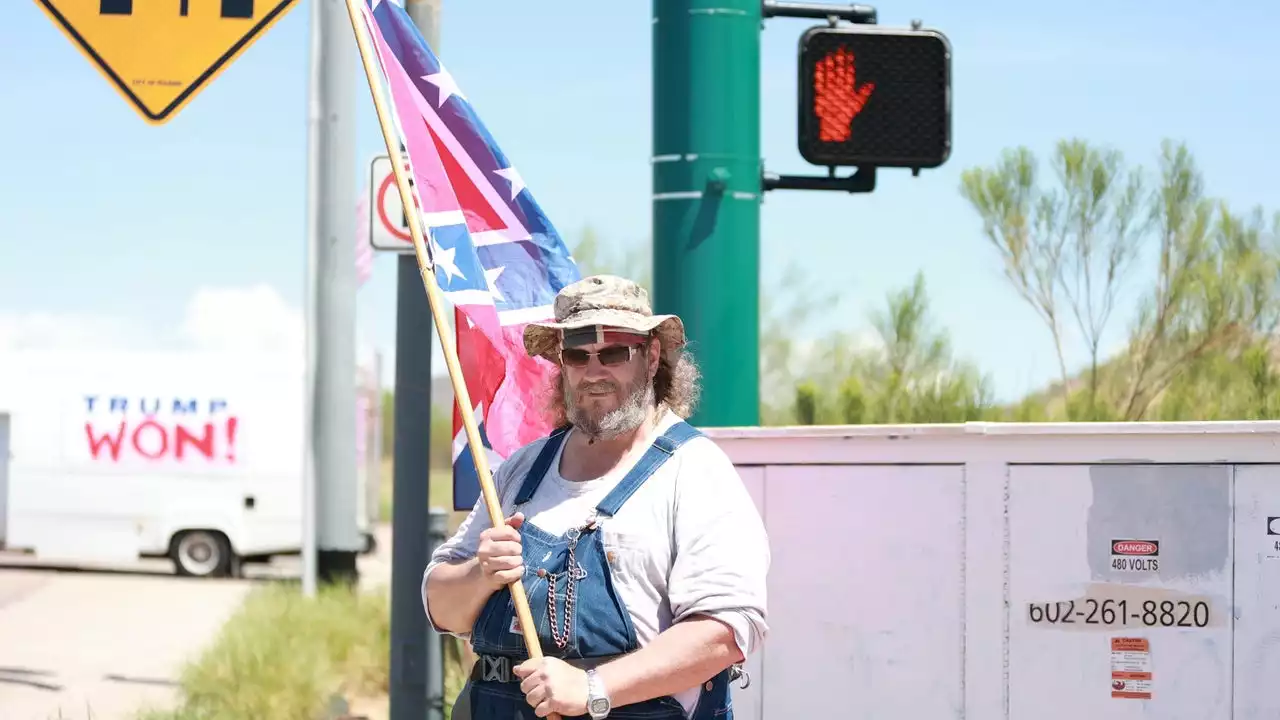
(541, 464)
(663, 447)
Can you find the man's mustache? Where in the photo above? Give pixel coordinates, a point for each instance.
(590, 387)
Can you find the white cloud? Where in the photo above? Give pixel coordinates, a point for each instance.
(253, 319)
(67, 331)
(237, 321)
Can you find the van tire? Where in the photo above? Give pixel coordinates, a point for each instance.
(201, 553)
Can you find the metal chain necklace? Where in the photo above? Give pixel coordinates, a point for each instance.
(573, 573)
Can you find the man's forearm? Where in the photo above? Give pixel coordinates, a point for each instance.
(455, 594)
(684, 655)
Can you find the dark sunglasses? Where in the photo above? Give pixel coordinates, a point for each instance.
(609, 357)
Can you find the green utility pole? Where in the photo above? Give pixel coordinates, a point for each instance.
(707, 192)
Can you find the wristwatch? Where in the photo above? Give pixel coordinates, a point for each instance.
(598, 703)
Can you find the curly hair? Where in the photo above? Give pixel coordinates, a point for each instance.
(675, 386)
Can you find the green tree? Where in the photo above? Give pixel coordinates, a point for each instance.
(807, 403)
(905, 374)
(1065, 249)
(853, 401)
(1071, 248)
(919, 379)
(1216, 287)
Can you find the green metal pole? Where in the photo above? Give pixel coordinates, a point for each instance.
(706, 201)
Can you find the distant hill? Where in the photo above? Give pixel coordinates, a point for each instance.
(1050, 396)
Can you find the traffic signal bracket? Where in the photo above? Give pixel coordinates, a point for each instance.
(863, 180)
(854, 13)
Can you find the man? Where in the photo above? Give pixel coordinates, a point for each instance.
(642, 555)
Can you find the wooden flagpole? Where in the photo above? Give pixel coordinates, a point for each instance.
(521, 601)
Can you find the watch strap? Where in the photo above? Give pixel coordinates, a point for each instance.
(598, 702)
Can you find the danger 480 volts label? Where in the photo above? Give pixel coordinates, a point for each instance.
(1141, 556)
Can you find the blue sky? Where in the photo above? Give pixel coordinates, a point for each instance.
(116, 232)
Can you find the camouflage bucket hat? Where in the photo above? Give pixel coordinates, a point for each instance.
(606, 301)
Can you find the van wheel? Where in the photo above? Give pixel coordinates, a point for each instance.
(201, 553)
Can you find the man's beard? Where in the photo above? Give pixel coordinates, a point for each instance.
(626, 417)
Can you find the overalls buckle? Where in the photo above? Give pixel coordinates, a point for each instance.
(494, 668)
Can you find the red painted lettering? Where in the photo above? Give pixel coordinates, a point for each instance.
(232, 422)
(157, 430)
(96, 442)
(153, 439)
(184, 437)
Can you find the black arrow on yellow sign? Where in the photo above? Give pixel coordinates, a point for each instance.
(159, 54)
(230, 8)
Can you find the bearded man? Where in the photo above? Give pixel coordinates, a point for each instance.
(643, 556)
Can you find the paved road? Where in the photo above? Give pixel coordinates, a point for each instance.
(101, 643)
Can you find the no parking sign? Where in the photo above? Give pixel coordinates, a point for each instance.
(388, 225)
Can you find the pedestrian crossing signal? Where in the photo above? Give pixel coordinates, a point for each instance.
(875, 97)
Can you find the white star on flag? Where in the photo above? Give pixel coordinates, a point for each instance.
(512, 176)
(444, 258)
(445, 83)
(491, 275)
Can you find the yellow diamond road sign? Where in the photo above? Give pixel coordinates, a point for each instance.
(160, 53)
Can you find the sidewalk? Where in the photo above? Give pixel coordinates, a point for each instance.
(76, 645)
(72, 644)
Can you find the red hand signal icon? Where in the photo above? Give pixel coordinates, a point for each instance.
(837, 99)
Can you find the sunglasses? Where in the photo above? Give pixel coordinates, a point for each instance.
(609, 357)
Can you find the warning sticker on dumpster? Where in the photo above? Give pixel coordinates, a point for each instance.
(1130, 668)
(1135, 555)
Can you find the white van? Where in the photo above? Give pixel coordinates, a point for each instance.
(109, 457)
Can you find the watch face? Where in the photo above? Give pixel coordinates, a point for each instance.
(599, 705)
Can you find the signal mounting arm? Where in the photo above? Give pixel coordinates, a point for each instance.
(854, 13)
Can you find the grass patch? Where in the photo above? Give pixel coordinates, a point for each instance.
(283, 656)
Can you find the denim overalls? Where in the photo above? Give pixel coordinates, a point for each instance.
(587, 618)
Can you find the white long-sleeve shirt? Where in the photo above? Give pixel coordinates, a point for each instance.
(689, 541)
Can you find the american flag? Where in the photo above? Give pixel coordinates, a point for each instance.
(495, 255)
